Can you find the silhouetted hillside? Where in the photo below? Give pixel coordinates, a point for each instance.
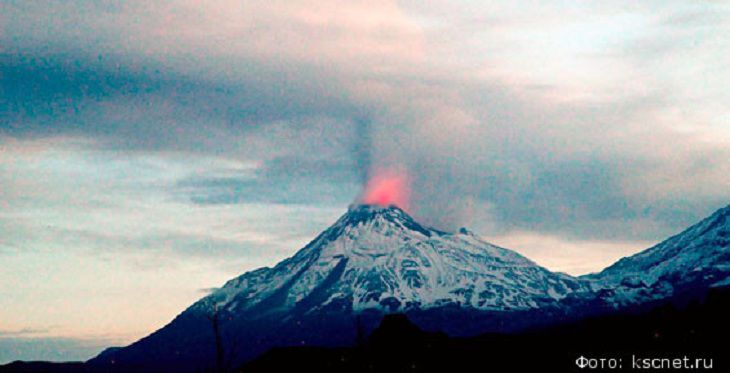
(43, 367)
(695, 329)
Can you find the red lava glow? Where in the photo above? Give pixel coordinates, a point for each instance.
(387, 188)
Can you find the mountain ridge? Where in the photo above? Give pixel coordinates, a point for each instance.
(699, 256)
(376, 260)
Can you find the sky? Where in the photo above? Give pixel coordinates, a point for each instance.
(149, 151)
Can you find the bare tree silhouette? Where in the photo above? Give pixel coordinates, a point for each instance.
(213, 316)
(226, 338)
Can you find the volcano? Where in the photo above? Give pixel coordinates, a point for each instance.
(373, 261)
(377, 260)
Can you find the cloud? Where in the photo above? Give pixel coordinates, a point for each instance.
(143, 143)
(151, 107)
(68, 195)
(23, 332)
(562, 124)
(576, 257)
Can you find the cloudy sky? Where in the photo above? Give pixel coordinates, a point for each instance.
(149, 151)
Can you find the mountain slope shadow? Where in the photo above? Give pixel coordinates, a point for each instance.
(696, 329)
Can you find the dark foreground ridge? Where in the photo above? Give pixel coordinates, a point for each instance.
(683, 335)
(664, 335)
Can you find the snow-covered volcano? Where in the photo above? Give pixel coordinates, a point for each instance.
(376, 260)
(379, 257)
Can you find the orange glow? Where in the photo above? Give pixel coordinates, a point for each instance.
(387, 188)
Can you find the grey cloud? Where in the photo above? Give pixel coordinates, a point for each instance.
(571, 169)
(148, 106)
(702, 18)
(282, 180)
(104, 243)
(23, 332)
(567, 167)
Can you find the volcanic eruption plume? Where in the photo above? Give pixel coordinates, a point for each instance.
(387, 187)
(406, 169)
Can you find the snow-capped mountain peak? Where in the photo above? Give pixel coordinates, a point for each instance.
(358, 214)
(377, 257)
